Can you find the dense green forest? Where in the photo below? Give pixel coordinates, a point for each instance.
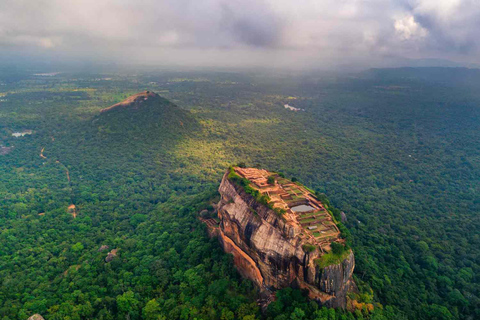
(395, 149)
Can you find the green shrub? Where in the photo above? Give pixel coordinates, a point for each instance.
(271, 180)
(245, 183)
(331, 258)
(336, 213)
(344, 233)
(309, 247)
(280, 212)
(337, 248)
(323, 198)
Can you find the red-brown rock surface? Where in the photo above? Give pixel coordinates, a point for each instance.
(133, 101)
(268, 250)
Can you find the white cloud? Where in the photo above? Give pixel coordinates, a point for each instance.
(407, 28)
(254, 31)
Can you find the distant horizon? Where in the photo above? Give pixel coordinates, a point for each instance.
(58, 65)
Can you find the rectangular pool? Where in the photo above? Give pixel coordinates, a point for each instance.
(302, 208)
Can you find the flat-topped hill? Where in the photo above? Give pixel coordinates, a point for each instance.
(281, 234)
(297, 204)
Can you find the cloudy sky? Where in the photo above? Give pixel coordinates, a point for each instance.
(298, 33)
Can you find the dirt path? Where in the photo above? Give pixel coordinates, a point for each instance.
(68, 174)
(41, 153)
(72, 209)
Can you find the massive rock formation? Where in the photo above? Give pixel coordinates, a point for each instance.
(274, 251)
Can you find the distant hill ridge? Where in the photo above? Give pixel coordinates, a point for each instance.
(456, 76)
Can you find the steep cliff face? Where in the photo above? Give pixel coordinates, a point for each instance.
(270, 251)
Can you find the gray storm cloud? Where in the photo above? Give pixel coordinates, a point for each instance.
(248, 32)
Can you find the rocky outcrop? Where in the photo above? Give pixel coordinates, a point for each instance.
(133, 101)
(111, 255)
(36, 316)
(103, 248)
(269, 250)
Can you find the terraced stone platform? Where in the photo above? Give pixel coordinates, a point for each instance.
(300, 205)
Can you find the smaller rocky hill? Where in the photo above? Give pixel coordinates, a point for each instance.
(144, 115)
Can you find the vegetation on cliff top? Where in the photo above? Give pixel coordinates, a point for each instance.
(309, 247)
(332, 257)
(245, 184)
(338, 252)
(336, 215)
